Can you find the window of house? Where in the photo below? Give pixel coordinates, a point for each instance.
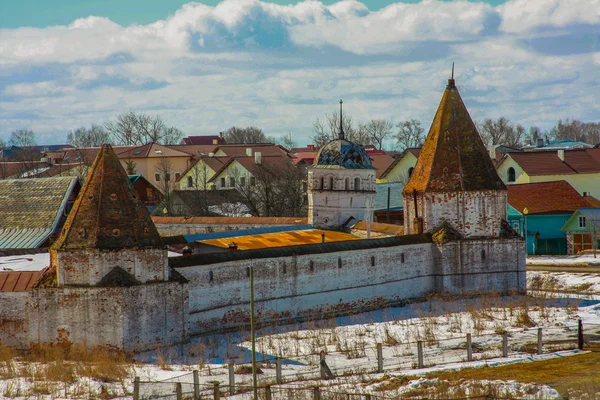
(243, 181)
(222, 182)
(232, 182)
(516, 227)
(252, 181)
(157, 177)
(357, 184)
(511, 174)
(167, 177)
(410, 171)
(582, 221)
(190, 181)
(177, 176)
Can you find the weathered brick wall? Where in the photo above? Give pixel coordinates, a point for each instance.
(89, 266)
(476, 266)
(307, 286)
(130, 318)
(473, 214)
(14, 319)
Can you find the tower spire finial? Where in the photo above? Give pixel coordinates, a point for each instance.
(341, 132)
(451, 82)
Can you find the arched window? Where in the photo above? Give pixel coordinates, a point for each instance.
(322, 183)
(347, 184)
(410, 171)
(331, 183)
(511, 174)
(357, 184)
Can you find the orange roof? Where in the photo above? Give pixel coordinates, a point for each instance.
(380, 227)
(381, 162)
(151, 150)
(107, 213)
(546, 198)
(280, 239)
(231, 220)
(18, 281)
(453, 157)
(266, 149)
(592, 201)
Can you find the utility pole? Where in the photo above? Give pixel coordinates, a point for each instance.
(252, 333)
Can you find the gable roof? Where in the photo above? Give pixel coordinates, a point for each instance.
(381, 162)
(415, 151)
(453, 157)
(18, 281)
(203, 140)
(592, 215)
(557, 197)
(578, 161)
(32, 209)
(266, 149)
(108, 213)
(152, 150)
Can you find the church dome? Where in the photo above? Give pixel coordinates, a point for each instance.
(343, 153)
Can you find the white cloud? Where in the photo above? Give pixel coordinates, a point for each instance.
(279, 67)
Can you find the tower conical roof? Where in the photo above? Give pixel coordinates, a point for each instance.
(108, 214)
(453, 157)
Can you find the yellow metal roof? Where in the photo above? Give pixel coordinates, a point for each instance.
(280, 239)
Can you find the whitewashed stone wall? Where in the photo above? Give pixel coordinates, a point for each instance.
(473, 214)
(333, 196)
(14, 322)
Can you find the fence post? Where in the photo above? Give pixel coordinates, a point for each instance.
(178, 391)
(268, 392)
(278, 371)
(504, 344)
(136, 388)
(469, 348)
(316, 393)
(196, 385)
(420, 353)
(580, 335)
(539, 349)
(231, 379)
(322, 365)
(379, 358)
(216, 391)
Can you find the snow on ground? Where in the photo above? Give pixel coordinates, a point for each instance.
(583, 283)
(570, 260)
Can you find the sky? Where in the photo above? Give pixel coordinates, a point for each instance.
(204, 67)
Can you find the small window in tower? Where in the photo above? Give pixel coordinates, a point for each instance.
(311, 266)
(372, 261)
(284, 268)
(248, 272)
(322, 184)
(331, 183)
(482, 255)
(511, 174)
(347, 184)
(339, 262)
(210, 276)
(357, 184)
(402, 258)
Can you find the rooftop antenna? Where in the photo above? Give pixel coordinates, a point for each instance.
(341, 133)
(451, 80)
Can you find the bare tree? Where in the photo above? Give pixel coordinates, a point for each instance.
(2, 144)
(287, 141)
(572, 129)
(328, 128)
(172, 135)
(96, 136)
(163, 171)
(501, 131)
(198, 181)
(377, 131)
(22, 138)
(250, 134)
(410, 134)
(131, 128)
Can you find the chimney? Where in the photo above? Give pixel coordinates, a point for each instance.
(211, 154)
(493, 152)
(258, 158)
(221, 135)
(249, 151)
(311, 147)
(540, 142)
(561, 155)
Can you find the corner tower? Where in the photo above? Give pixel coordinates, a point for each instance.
(341, 183)
(454, 180)
(108, 227)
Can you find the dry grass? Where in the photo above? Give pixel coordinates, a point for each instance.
(572, 377)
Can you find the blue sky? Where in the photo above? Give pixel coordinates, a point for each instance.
(279, 65)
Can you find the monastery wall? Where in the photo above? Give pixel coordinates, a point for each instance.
(307, 286)
(14, 319)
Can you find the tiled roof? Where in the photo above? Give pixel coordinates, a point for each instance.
(280, 239)
(195, 150)
(10, 169)
(203, 140)
(31, 209)
(108, 213)
(381, 162)
(592, 201)
(453, 157)
(546, 198)
(230, 220)
(18, 281)
(341, 153)
(579, 161)
(151, 150)
(390, 229)
(266, 149)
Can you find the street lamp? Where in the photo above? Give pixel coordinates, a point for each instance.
(525, 212)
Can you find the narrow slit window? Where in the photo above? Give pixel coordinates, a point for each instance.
(210, 276)
(372, 261)
(402, 257)
(482, 255)
(339, 262)
(311, 266)
(284, 268)
(248, 272)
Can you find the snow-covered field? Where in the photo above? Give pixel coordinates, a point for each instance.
(350, 347)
